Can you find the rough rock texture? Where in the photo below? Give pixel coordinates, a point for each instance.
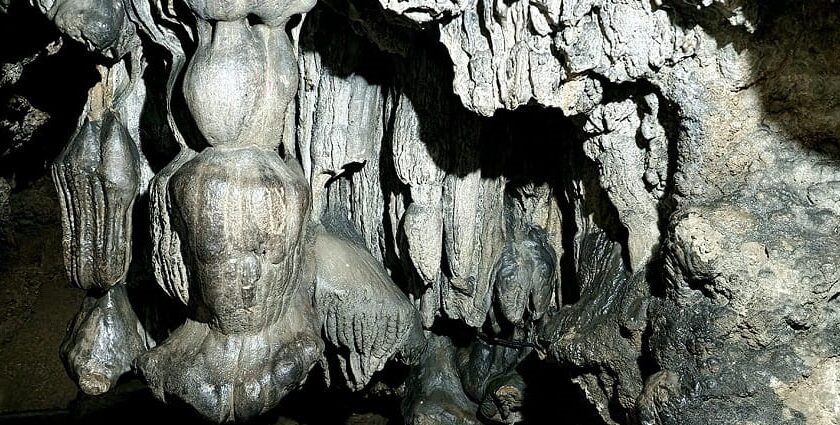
(346, 277)
(98, 177)
(105, 338)
(712, 129)
(231, 228)
(20, 119)
(632, 176)
(99, 25)
(436, 395)
(644, 194)
(488, 376)
(5, 212)
(601, 335)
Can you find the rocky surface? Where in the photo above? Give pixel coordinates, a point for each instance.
(643, 195)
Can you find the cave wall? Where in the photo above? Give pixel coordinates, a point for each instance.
(708, 133)
(678, 159)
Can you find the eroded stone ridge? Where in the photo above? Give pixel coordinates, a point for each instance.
(644, 194)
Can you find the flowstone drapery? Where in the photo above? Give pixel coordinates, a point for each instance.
(642, 194)
(232, 238)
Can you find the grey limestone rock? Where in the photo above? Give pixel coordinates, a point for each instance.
(489, 377)
(235, 376)
(362, 311)
(98, 177)
(435, 393)
(98, 24)
(230, 228)
(624, 171)
(644, 194)
(524, 278)
(601, 335)
(105, 338)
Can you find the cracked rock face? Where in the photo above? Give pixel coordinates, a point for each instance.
(643, 194)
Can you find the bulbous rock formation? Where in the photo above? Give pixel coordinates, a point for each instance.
(100, 25)
(643, 194)
(362, 311)
(239, 214)
(105, 338)
(252, 68)
(98, 175)
(242, 215)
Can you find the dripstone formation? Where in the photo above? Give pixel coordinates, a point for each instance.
(640, 199)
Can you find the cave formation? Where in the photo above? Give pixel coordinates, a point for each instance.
(463, 205)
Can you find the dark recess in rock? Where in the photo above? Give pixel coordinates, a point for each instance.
(420, 212)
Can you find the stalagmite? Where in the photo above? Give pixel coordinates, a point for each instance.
(643, 194)
(239, 213)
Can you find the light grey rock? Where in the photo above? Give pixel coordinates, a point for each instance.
(341, 124)
(105, 338)
(362, 311)
(98, 177)
(22, 120)
(424, 11)
(101, 26)
(237, 214)
(167, 256)
(243, 63)
(231, 238)
(422, 221)
(751, 330)
(473, 227)
(236, 376)
(623, 168)
(508, 54)
(671, 246)
(738, 248)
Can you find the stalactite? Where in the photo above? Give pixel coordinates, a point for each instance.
(642, 193)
